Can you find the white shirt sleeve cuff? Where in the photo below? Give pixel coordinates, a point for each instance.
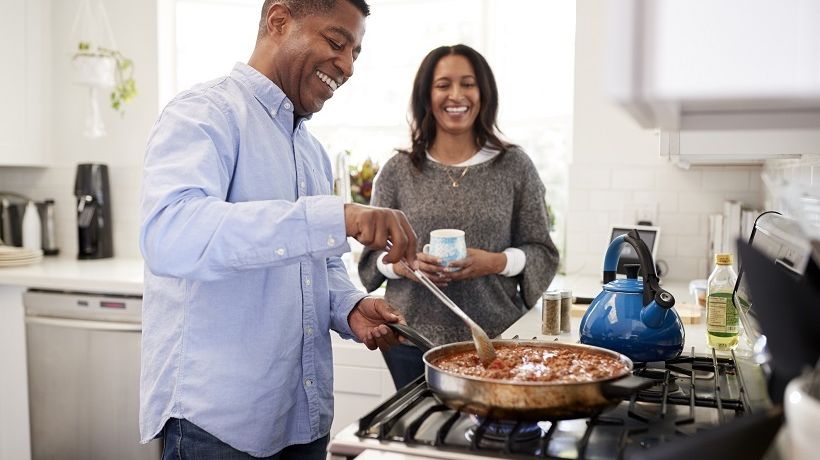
(387, 269)
(516, 259)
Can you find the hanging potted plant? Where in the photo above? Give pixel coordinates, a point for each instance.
(99, 66)
(106, 68)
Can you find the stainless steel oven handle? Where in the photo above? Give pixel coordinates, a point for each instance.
(83, 324)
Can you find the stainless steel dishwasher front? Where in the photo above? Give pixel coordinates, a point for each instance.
(83, 376)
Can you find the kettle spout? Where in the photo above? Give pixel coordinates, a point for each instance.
(653, 315)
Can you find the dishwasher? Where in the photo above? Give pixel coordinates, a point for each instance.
(83, 376)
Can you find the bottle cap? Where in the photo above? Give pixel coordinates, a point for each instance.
(723, 258)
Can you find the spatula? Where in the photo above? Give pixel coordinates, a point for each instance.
(483, 344)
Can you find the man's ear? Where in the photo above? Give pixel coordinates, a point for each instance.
(278, 19)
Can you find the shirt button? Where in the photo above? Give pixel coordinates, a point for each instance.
(308, 382)
(280, 252)
(307, 281)
(331, 241)
(309, 331)
(287, 105)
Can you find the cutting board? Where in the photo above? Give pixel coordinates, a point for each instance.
(689, 313)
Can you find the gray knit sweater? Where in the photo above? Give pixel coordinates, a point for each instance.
(499, 204)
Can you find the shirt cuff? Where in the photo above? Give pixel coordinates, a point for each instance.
(516, 259)
(339, 318)
(325, 225)
(386, 269)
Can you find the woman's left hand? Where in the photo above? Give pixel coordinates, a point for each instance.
(478, 263)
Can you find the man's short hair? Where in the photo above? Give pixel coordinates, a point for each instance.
(302, 8)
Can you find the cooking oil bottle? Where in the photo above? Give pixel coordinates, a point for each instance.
(722, 321)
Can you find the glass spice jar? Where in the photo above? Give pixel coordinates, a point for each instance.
(551, 313)
(566, 308)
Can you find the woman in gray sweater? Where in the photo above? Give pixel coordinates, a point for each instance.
(459, 174)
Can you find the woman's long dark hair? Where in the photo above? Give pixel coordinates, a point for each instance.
(423, 125)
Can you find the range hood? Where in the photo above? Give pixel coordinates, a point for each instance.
(724, 81)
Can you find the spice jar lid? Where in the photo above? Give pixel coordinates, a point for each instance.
(552, 295)
(566, 294)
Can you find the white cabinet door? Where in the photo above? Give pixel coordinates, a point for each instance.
(14, 415)
(24, 89)
(361, 382)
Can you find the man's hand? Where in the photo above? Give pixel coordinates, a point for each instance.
(373, 227)
(478, 263)
(367, 323)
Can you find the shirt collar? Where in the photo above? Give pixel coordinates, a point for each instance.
(266, 92)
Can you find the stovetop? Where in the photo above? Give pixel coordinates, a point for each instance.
(694, 394)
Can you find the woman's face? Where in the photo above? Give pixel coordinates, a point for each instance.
(455, 97)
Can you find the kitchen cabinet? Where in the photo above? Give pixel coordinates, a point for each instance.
(14, 416)
(360, 381)
(24, 86)
(726, 81)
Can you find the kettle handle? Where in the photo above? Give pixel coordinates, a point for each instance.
(613, 254)
(651, 285)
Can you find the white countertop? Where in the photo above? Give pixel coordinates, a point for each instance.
(115, 275)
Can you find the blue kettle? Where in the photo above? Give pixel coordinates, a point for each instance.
(631, 316)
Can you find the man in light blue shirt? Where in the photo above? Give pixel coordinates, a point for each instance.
(242, 239)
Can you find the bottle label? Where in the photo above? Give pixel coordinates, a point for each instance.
(721, 314)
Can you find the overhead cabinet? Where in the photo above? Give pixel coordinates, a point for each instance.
(724, 80)
(24, 88)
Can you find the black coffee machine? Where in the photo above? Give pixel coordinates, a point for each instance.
(93, 211)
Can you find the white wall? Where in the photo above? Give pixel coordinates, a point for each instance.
(616, 169)
(134, 24)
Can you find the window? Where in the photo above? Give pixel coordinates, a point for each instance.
(530, 45)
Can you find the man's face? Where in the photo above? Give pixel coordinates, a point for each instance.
(318, 53)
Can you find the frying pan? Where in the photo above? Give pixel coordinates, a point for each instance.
(522, 400)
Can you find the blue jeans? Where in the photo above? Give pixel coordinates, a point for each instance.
(186, 441)
(404, 363)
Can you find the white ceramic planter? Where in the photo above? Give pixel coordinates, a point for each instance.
(94, 70)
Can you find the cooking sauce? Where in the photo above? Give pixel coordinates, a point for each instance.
(527, 363)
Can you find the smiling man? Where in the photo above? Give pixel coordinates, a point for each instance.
(242, 239)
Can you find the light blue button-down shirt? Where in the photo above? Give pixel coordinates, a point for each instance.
(243, 279)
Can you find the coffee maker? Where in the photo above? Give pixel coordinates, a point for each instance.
(93, 211)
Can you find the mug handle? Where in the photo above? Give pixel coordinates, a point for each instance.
(426, 249)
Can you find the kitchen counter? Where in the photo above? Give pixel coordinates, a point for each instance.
(529, 325)
(115, 275)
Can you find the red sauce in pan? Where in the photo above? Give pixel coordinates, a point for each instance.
(536, 364)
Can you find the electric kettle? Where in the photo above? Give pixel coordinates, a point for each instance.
(631, 316)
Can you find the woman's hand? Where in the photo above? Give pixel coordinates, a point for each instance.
(430, 265)
(478, 263)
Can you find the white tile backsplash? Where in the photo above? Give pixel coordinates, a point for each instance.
(682, 213)
(57, 183)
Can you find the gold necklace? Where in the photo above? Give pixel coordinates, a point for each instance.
(455, 181)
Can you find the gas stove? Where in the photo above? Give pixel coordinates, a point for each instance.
(704, 401)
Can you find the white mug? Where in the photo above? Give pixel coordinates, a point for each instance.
(447, 244)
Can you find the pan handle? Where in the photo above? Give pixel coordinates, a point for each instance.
(625, 386)
(412, 335)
